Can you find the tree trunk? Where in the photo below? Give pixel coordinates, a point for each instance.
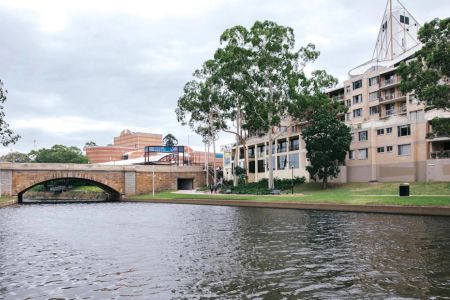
(236, 154)
(271, 186)
(206, 163)
(214, 162)
(324, 181)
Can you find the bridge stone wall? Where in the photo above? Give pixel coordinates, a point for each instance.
(125, 180)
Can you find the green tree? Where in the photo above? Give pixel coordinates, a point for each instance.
(15, 157)
(58, 154)
(90, 144)
(327, 142)
(198, 107)
(7, 136)
(428, 74)
(269, 74)
(170, 140)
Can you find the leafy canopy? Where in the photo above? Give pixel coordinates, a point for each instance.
(170, 140)
(16, 157)
(429, 74)
(327, 142)
(58, 154)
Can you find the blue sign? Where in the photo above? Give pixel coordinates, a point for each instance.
(164, 149)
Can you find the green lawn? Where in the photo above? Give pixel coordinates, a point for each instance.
(437, 193)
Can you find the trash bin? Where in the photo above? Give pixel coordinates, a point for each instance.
(403, 189)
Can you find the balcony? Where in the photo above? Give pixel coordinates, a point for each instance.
(444, 154)
(338, 98)
(389, 82)
(388, 98)
(393, 112)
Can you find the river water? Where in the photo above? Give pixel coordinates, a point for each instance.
(167, 251)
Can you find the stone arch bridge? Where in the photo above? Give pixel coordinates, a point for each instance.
(117, 181)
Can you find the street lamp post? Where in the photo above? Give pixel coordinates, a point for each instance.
(292, 177)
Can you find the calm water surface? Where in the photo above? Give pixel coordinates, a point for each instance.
(164, 251)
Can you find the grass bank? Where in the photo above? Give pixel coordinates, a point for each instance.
(422, 194)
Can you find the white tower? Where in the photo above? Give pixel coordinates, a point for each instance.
(398, 33)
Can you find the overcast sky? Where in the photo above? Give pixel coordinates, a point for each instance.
(81, 70)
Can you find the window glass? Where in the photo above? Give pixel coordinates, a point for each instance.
(404, 130)
(260, 166)
(362, 153)
(357, 99)
(389, 130)
(380, 149)
(282, 146)
(357, 113)
(373, 81)
(357, 84)
(380, 131)
(281, 161)
(389, 148)
(373, 110)
(251, 166)
(351, 154)
(294, 161)
(362, 136)
(373, 96)
(404, 149)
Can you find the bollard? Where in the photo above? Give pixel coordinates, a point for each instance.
(403, 189)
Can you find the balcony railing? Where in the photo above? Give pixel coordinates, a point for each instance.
(440, 154)
(387, 97)
(389, 81)
(338, 98)
(392, 112)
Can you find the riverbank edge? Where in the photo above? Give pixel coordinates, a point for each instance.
(384, 209)
(9, 202)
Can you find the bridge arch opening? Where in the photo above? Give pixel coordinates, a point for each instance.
(59, 185)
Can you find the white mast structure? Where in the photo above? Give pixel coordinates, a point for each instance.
(397, 38)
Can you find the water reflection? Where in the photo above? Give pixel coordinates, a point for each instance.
(162, 251)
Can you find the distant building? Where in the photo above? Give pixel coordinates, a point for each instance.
(129, 148)
(128, 145)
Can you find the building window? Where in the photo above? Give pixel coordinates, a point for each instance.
(281, 161)
(363, 153)
(348, 103)
(415, 115)
(404, 130)
(390, 109)
(251, 166)
(294, 161)
(389, 149)
(380, 131)
(282, 146)
(351, 154)
(373, 81)
(373, 96)
(357, 113)
(347, 89)
(251, 152)
(261, 149)
(404, 149)
(362, 136)
(348, 116)
(404, 19)
(260, 166)
(380, 149)
(357, 99)
(389, 130)
(294, 144)
(373, 110)
(357, 84)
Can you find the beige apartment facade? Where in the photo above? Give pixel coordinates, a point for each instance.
(392, 137)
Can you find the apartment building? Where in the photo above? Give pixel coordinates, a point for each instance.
(392, 138)
(288, 160)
